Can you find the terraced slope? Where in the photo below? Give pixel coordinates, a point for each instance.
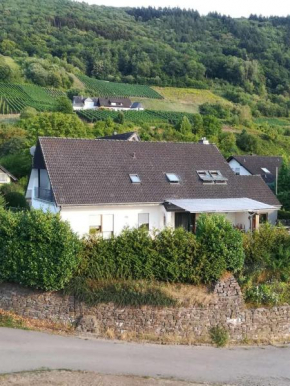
(15, 97)
(102, 88)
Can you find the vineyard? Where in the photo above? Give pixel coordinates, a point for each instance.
(102, 88)
(137, 117)
(15, 97)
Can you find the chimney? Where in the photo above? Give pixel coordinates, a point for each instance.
(204, 141)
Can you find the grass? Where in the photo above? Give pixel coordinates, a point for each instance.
(10, 320)
(138, 293)
(219, 336)
(187, 99)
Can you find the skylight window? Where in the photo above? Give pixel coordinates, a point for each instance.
(135, 179)
(205, 176)
(265, 170)
(211, 177)
(172, 178)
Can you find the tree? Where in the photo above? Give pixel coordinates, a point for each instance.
(184, 126)
(55, 125)
(227, 144)
(28, 112)
(247, 142)
(120, 118)
(73, 92)
(284, 186)
(212, 126)
(64, 105)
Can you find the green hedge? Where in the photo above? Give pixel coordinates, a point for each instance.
(37, 249)
(171, 255)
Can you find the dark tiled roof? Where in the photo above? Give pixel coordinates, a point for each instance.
(8, 173)
(90, 172)
(255, 163)
(136, 105)
(120, 102)
(121, 137)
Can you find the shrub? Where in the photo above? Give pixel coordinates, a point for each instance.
(2, 201)
(221, 247)
(175, 253)
(267, 254)
(37, 249)
(127, 256)
(247, 142)
(219, 336)
(134, 254)
(271, 294)
(28, 112)
(16, 200)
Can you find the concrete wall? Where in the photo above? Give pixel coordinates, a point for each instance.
(226, 309)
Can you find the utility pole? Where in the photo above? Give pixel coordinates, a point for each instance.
(277, 170)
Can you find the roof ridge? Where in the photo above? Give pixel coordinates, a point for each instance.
(118, 140)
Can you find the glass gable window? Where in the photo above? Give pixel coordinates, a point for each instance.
(172, 178)
(143, 221)
(135, 179)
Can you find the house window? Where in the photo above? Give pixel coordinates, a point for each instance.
(265, 170)
(135, 179)
(3, 177)
(238, 171)
(172, 178)
(102, 225)
(143, 221)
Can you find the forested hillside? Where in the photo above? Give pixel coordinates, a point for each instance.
(162, 47)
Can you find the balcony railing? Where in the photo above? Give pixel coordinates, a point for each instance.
(43, 194)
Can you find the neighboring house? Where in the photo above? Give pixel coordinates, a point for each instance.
(6, 177)
(137, 106)
(264, 166)
(116, 104)
(81, 103)
(131, 136)
(102, 186)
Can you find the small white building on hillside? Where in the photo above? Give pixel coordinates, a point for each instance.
(5, 176)
(101, 186)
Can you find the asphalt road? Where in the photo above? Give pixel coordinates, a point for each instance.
(28, 350)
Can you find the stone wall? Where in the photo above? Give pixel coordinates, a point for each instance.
(193, 324)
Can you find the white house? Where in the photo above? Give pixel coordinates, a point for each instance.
(250, 165)
(102, 186)
(81, 103)
(6, 177)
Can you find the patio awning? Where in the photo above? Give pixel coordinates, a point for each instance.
(221, 205)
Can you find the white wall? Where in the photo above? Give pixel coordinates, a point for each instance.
(124, 216)
(236, 165)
